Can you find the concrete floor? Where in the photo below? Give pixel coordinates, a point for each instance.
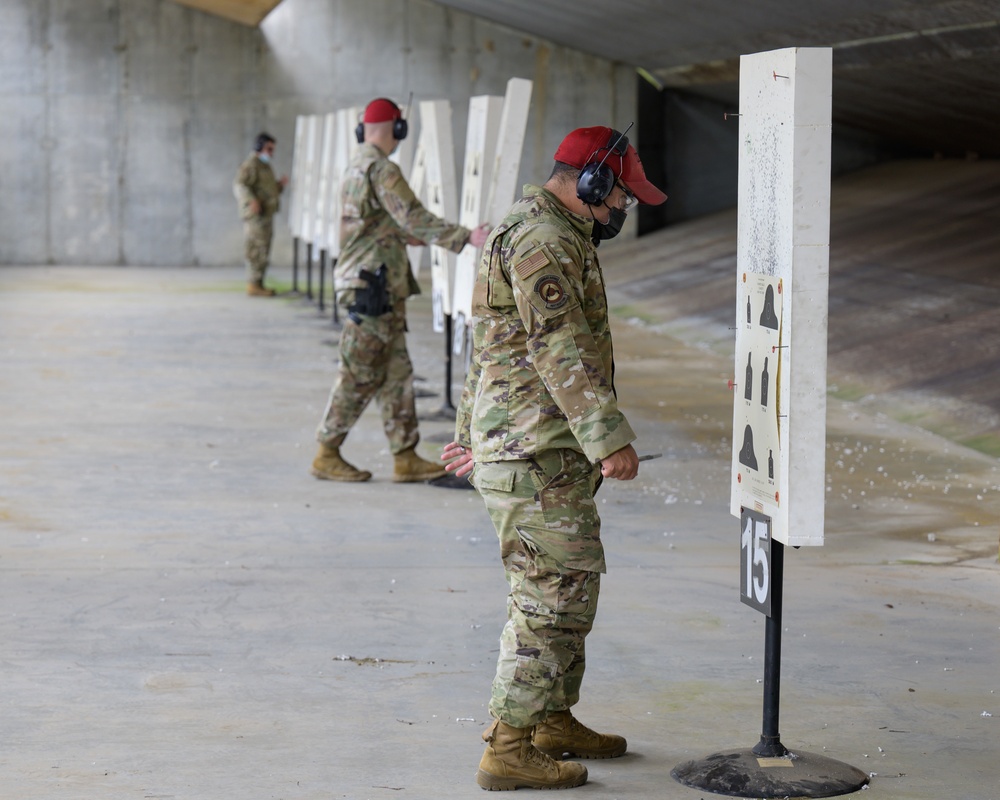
(186, 613)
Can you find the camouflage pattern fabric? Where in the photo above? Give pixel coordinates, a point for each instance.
(542, 356)
(539, 411)
(544, 513)
(374, 363)
(255, 181)
(257, 233)
(379, 212)
(378, 215)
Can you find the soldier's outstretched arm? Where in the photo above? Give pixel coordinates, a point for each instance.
(397, 198)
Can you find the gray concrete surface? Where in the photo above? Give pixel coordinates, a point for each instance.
(186, 613)
(126, 120)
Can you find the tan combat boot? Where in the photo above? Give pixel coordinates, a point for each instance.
(329, 466)
(511, 761)
(561, 734)
(257, 289)
(411, 468)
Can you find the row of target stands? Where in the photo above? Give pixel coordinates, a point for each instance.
(324, 145)
(777, 486)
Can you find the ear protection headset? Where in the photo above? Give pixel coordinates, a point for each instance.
(261, 140)
(399, 128)
(597, 179)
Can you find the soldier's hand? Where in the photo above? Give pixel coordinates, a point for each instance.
(283, 180)
(255, 207)
(479, 235)
(623, 465)
(462, 464)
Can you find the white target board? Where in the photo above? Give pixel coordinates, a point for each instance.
(783, 238)
(345, 142)
(418, 180)
(325, 181)
(480, 148)
(441, 191)
(296, 183)
(310, 177)
(510, 143)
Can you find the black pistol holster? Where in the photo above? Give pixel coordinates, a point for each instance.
(373, 299)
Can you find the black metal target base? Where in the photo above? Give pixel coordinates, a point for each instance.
(742, 773)
(450, 481)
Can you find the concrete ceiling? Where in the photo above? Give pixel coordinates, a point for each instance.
(924, 73)
(245, 12)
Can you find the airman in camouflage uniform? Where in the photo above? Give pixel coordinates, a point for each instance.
(380, 216)
(541, 419)
(257, 192)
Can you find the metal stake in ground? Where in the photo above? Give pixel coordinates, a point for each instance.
(769, 769)
(333, 291)
(309, 270)
(322, 273)
(447, 411)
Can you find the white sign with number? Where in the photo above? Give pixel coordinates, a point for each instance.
(755, 561)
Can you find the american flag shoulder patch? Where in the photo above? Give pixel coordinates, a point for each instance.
(532, 263)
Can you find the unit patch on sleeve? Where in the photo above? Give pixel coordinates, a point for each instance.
(532, 263)
(551, 291)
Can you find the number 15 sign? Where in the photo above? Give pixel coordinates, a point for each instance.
(755, 561)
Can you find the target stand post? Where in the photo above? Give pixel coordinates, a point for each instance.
(779, 406)
(447, 411)
(309, 270)
(769, 769)
(322, 274)
(335, 321)
(295, 265)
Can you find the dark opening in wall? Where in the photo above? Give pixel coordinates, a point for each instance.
(690, 149)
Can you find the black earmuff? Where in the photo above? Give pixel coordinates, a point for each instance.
(400, 128)
(597, 179)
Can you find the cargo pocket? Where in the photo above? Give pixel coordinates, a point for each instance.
(495, 481)
(569, 528)
(493, 476)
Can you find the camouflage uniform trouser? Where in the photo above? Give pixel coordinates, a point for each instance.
(374, 362)
(257, 233)
(544, 513)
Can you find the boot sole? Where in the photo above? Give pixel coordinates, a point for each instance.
(562, 755)
(360, 478)
(492, 783)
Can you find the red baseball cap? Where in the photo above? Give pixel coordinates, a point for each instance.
(381, 109)
(589, 145)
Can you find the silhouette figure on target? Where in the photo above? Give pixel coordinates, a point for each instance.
(763, 385)
(748, 383)
(767, 317)
(747, 456)
(770, 463)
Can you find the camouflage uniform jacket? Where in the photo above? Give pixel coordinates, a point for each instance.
(542, 369)
(379, 211)
(255, 181)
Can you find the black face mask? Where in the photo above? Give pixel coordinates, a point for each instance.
(610, 229)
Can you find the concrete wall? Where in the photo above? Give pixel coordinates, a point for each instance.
(124, 121)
